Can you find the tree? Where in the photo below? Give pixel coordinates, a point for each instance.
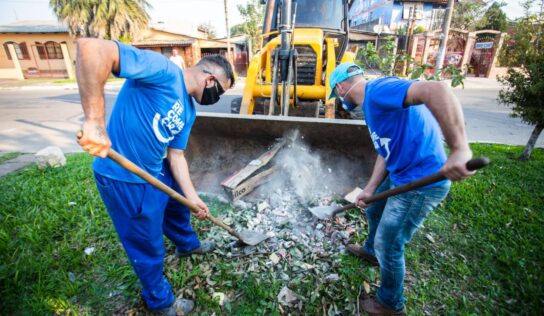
(252, 14)
(237, 29)
(523, 88)
(110, 19)
(209, 29)
(467, 14)
(494, 18)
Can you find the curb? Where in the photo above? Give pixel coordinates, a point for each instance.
(16, 163)
(72, 86)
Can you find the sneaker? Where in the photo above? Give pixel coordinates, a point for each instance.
(361, 253)
(205, 247)
(180, 307)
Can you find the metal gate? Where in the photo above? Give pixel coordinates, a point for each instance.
(482, 55)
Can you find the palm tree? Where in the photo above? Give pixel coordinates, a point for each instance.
(111, 19)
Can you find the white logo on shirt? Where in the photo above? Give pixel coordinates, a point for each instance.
(381, 142)
(172, 121)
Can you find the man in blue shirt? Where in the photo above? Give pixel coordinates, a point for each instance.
(151, 119)
(405, 119)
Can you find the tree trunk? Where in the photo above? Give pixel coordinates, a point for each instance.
(531, 143)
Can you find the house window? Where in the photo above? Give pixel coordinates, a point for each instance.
(166, 51)
(20, 49)
(437, 19)
(50, 50)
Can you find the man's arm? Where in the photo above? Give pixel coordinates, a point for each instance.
(96, 59)
(378, 174)
(448, 112)
(180, 171)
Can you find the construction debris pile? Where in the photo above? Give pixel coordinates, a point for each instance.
(300, 248)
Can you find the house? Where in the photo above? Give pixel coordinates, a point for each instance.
(163, 39)
(33, 49)
(394, 16)
(46, 49)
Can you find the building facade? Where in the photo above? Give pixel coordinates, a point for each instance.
(38, 49)
(34, 49)
(397, 16)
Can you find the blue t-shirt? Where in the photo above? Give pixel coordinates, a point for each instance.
(407, 137)
(153, 111)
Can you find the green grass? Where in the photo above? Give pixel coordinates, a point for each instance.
(9, 156)
(487, 257)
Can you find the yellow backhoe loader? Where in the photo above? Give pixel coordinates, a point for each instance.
(302, 42)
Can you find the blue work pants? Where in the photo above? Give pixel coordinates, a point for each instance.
(141, 215)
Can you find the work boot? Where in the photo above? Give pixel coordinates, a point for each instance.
(373, 308)
(361, 253)
(180, 307)
(205, 247)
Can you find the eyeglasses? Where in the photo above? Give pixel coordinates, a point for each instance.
(218, 85)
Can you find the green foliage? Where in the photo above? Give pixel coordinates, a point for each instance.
(523, 87)
(382, 58)
(252, 13)
(209, 29)
(525, 42)
(109, 19)
(419, 29)
(450, 71)
(485, 259)
(524, 90)
(467, 14)
(494, 18)
(388, 63)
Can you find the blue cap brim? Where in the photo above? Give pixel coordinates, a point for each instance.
(360, 71)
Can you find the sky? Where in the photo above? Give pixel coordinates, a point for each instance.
(171, 11)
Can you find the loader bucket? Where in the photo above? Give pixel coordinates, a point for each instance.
(220, 144)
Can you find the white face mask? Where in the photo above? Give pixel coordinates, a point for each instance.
(348, 106)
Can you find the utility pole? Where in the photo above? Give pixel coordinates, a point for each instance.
(229, 57)
(444, 38)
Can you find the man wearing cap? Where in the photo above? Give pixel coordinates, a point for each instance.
(150, 125)
(405, 119)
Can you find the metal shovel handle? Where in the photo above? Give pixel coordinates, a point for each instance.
(472, 165)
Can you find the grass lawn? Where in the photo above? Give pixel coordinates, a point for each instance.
(479, 253)
(9, 156)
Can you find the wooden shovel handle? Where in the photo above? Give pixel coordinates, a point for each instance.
(473, 164)
(132, 167)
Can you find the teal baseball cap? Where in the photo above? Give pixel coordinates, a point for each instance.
(341, 73)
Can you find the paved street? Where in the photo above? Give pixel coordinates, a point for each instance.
(35, 118)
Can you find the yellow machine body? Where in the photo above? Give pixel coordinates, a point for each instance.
(259, 76)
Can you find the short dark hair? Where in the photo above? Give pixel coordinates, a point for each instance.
(218, 61)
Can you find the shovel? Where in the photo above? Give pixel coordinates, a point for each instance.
(246, 236)
(325, 212)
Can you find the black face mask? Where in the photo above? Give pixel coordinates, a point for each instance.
(211, 95)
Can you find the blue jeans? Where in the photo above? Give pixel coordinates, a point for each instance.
(141, 215)
(391, 224)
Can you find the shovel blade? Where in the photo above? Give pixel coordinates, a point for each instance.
(252, 238)
(323, 212)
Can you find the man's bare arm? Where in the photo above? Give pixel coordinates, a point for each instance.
(448, 112)
(180, 171)
(379, 172)
(96, 59)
